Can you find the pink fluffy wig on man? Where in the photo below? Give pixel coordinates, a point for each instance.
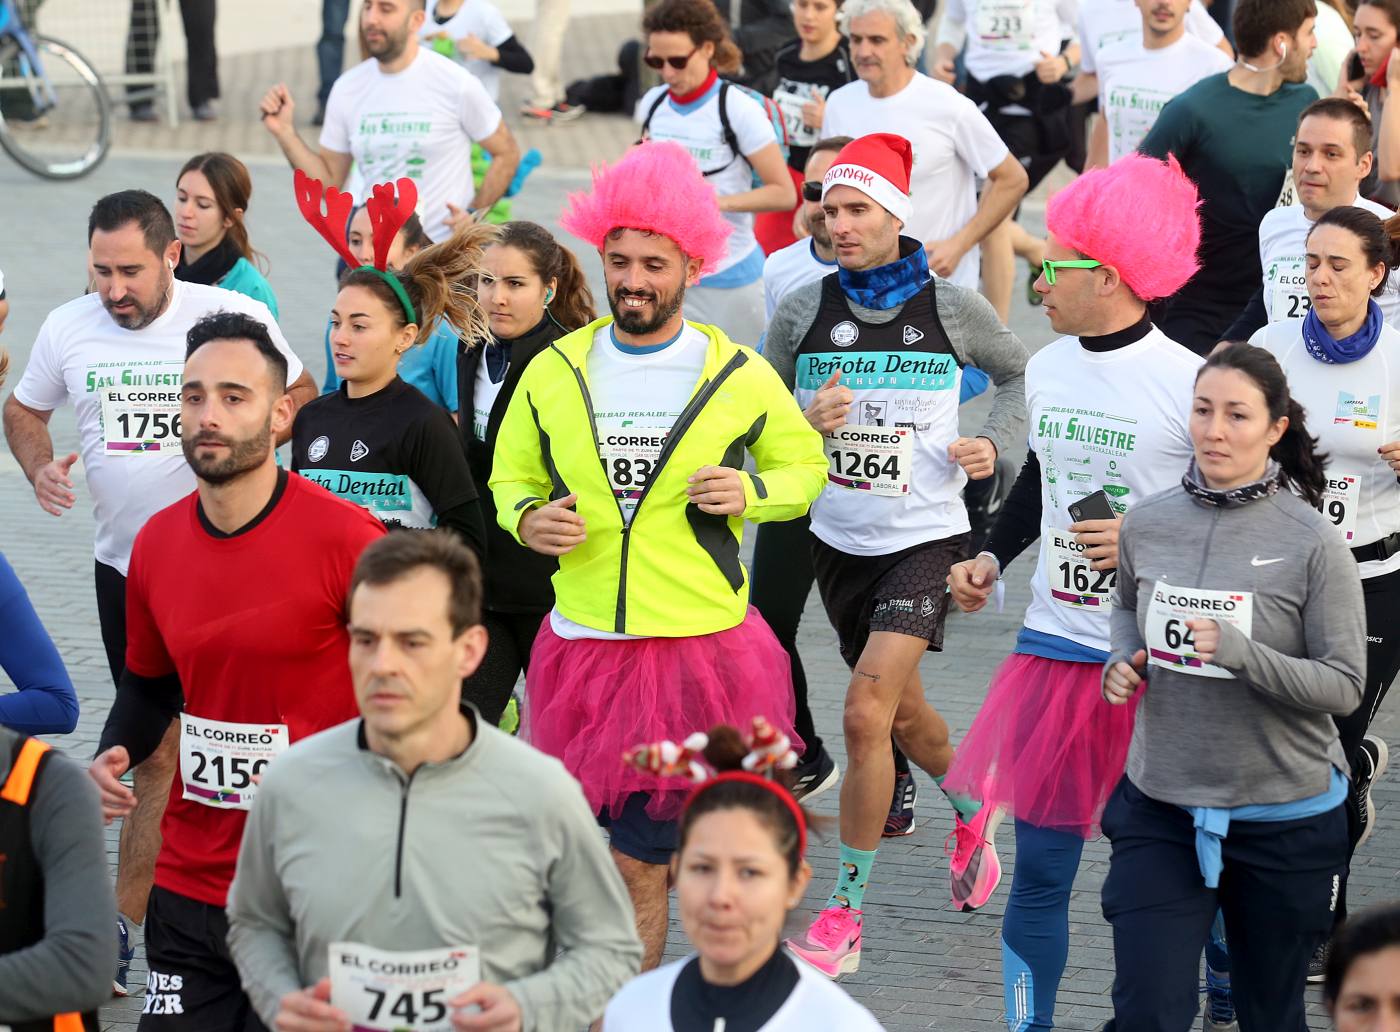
(656, 187)
(1139, 215)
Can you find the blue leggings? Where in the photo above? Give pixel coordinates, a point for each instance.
(1035, 930)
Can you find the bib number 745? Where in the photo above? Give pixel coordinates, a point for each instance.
(425, 1006)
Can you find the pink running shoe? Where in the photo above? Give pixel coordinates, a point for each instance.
(832, 944)
(975, 870)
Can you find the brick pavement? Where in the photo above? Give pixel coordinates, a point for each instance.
(925, 966)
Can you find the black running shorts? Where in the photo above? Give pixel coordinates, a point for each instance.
(905, 592)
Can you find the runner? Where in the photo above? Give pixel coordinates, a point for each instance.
(44, 701)
(377, 441)
(1331, 156)
(238, 675)
(1364, 970)
(404, 111)
(475, 34)
(1369, 80)
(1137, 76)
(116, 355)
(741, 860)
(731, 137)
(1249, 605)
(533, 292)
(1231, 134)
(955, 144)
(651, 634)
(56, 945)
(1337, 360)
(809, 69)
(812, 256)
(430, 366)
(1108, 405)
(329, 925)
(874, 353)
(211, 201)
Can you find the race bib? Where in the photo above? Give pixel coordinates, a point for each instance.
(1339, 504)
(1005, 25)
(790, 103)
(1290, 293)
(871, 458)
(1169, 641)
(400, 991)
(1073, 583)
(218, 759)
(630, 457)
(140, 419)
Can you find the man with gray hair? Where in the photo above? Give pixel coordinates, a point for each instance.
(954, 144)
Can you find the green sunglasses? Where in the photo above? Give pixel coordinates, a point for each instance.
(1047, 268)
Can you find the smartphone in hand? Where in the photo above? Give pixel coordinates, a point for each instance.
(1092, 507)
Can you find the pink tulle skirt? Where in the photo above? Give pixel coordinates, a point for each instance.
(588, 701)
(1045, 745)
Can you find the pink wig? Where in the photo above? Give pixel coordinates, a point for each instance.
(655, 187)
(1139, 215)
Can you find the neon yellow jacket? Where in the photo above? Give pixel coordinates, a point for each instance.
(675, 571)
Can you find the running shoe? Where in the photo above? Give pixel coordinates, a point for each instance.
(1375, 757)
(510, 716)
(975, 870)
(125, 951)
(814, 774)
(832, 944)
(1317, 966)
(1219, 1013)
(560, 112)
(900, 820)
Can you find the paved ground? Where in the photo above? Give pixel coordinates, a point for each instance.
(925, 966)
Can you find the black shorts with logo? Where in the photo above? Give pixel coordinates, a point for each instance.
(193, 985)
(905, 592)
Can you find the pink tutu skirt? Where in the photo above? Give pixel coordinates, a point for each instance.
(588, 701)
(1045, 745)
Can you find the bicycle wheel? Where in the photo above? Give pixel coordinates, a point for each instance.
(56, 118)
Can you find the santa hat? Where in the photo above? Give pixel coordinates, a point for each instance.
(1139, 215)
(878, 166)
(655, 187)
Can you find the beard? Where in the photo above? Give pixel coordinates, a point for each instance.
(633, 321)
(143, 314)
(242, 455)
(817, 228)
(391, 48)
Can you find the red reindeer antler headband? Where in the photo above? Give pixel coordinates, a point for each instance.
(387, 215)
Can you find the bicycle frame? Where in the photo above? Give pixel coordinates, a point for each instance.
(31, 69)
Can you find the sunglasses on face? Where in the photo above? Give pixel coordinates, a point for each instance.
(1047, 268)
(812, 190)
(656, 63)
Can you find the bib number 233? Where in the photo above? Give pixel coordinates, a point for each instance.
(219, 759)
(389, 991)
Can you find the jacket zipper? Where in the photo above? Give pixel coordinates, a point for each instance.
(398, 849)
(1205, 553)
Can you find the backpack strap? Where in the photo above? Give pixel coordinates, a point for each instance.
(730, 137)
(646, 122)
(24, 767)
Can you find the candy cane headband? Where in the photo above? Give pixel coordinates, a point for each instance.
(387, 215)
(769, 751)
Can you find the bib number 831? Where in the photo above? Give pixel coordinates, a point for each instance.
(632, 472)
(409, 1006)
(228, 772)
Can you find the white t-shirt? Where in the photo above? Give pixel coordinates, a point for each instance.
(1105, 22)
(1007, 37)
(1353, 409)
(484, 396)
(1114, 421)
(477, 18)
(954, 146)
(1283, 239)
(791, 267)
(644, 1004)
(1135, 84)
(418, 123)
(696, 127)
(636, 400)
(80, 352)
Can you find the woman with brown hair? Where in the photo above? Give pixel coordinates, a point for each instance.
(211, 196)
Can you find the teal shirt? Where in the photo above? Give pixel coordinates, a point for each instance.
(245, 278)
(430, 366)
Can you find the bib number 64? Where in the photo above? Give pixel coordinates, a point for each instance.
(1178, 635)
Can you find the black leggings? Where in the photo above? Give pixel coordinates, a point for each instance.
(111, 616)
(511, 636)
(782, 580)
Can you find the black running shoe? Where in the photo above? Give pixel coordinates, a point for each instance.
(901, 817)
(814, 774)
(1317, 966)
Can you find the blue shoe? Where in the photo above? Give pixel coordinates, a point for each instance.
(1219, 1014)
(125, 951)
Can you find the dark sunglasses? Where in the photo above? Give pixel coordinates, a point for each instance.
(677, 63)
(812, 190)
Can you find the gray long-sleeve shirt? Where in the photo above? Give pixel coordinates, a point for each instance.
(70, 968)
(977, 335)
(1267, 736)
(342, 846)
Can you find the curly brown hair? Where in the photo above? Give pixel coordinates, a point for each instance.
(701, 21)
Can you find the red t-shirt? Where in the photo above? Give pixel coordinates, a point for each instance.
(254, 625)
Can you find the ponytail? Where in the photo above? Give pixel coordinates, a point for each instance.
(1301, 466)
(572, 305)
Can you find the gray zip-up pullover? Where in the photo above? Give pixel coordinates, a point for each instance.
(1268, 735)
(495, 848)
